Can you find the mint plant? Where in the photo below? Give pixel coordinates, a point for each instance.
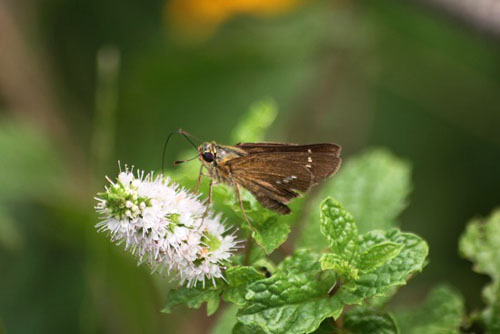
(320, 285)
(336, 275)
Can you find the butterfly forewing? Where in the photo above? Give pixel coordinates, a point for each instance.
(275, 173)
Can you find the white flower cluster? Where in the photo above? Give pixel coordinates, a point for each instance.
(165, 226)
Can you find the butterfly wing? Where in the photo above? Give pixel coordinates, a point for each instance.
(276, 173)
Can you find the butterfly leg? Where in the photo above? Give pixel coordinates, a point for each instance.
(237, 186)
(197, 187)
(210, 185)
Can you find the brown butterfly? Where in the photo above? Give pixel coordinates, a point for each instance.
(275, 173)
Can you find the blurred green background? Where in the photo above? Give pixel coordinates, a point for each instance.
(86, 83)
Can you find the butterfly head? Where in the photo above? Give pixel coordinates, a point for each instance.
(208, 153)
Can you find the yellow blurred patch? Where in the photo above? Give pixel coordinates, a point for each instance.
(202, 17)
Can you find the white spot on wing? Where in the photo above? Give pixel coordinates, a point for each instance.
(287, 179)
(308, 166)
(309, 151)
(309, 159)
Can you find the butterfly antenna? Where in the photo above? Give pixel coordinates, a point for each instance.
(185, 135)
(178, 162)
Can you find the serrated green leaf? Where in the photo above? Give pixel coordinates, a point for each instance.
(372, 186)
(377, 255)
(240, 328)
(480, 244)
(271, 233)
(194, 297)
(303, 261)
(252, 128)
(395, 272)
(239, 278)
(331, 261)
(294, 300)
(341, 233)
(441, 313)
(339, 229)
(364, 321)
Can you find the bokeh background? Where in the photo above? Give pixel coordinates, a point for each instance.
(85, 83)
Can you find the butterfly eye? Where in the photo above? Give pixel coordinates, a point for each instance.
(208, 156)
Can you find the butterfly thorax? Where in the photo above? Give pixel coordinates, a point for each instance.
(214, 158)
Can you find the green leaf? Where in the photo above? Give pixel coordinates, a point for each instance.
(303, 261)
(341, 233)
(270, 233)
(345, 269)
(270, 229)
(395, 272)
(294, 300)
(441, 313)
(364, 321)
(480, 244)
(338, 226)
(372, 186)
(194, 297)
(226, 321)
(252, 128)
(240, 328)
(239, 278)
(377, 255)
